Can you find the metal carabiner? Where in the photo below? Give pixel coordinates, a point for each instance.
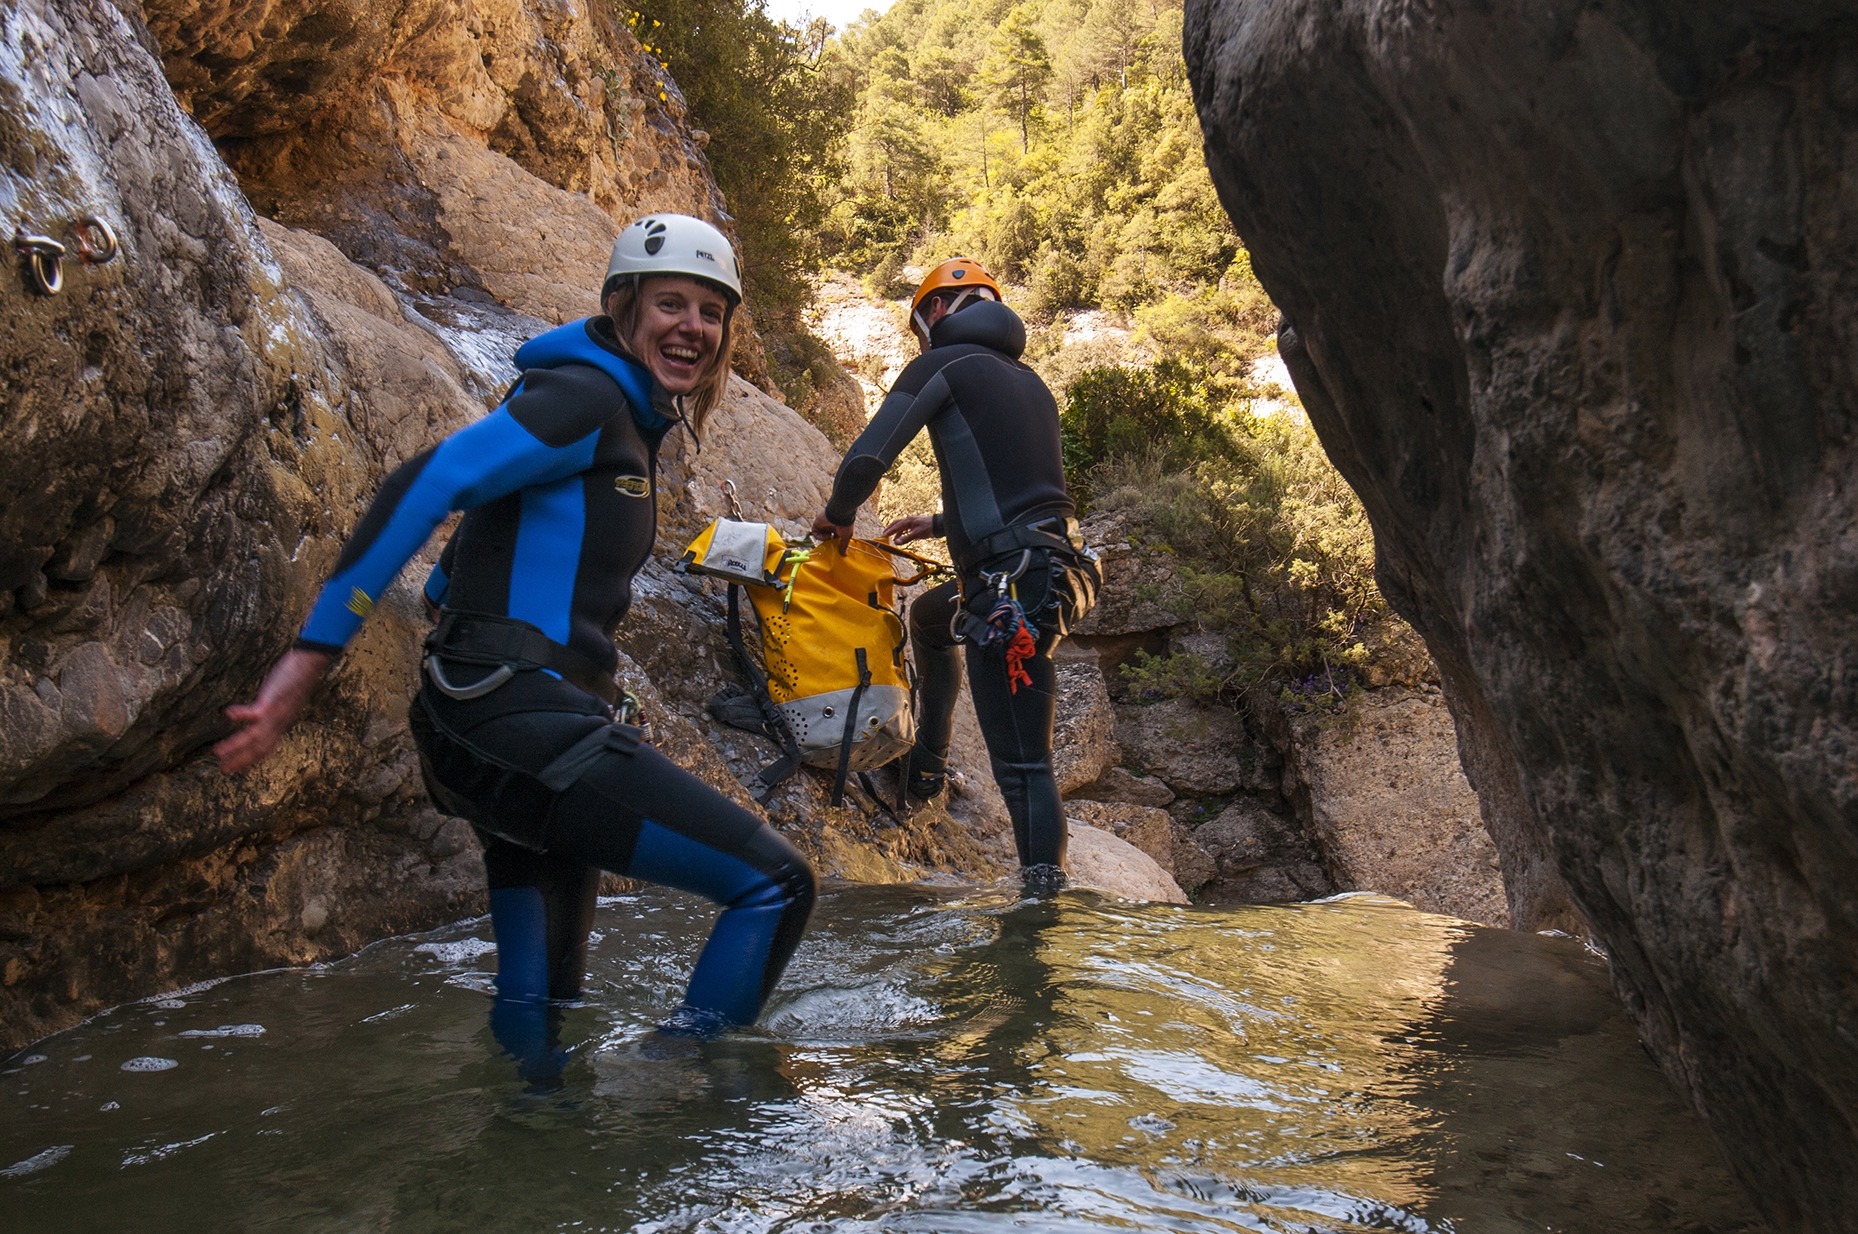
(735, 507)
(44, 259)
(1002, 579)
(101, 250)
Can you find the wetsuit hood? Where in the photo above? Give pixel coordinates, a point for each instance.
(986, 322)
(578, 342)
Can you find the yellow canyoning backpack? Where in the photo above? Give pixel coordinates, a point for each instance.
(835, 691)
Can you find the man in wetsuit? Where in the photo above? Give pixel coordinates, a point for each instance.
(1024, 574)
(515, 719)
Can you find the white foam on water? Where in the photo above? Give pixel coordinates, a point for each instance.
(389, 1014)
(482, 983)
(32, 1165)
(30, 1059)
(166, 1150)
(226, 1030)
(460, 952)
(169, 1004)
(146, 1063)
(107, 1106)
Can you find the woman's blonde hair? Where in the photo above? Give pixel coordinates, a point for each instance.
(622, 306)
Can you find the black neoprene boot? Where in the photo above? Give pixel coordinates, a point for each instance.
(923, 784)
(1042, 881)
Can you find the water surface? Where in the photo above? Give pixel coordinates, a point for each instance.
(934, 1061)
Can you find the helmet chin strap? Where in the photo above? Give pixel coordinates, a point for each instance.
(954, 306)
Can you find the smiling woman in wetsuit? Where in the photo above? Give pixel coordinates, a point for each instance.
(515, 718)
(1024, 574)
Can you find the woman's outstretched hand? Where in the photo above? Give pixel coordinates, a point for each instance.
(911, 527)
(825, 529)
(262, 721)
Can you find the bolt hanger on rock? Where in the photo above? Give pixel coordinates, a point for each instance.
(44, 257)
(44, 260)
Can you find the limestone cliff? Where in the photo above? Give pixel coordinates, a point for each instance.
(1568, 292)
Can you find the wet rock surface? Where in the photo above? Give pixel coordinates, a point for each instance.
(1567, 292)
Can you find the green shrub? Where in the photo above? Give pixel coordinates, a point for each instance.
(1271, 546)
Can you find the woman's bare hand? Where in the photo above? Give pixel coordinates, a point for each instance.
(263, 721)
(911, 527)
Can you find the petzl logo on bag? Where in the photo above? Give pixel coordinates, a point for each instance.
(633, 486)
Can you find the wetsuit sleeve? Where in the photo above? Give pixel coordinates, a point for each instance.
(893, 427)
(481, 462)
(439, 581)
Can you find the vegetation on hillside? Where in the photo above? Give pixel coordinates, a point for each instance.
(1056, 141)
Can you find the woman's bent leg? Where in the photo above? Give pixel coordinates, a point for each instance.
(640, 815)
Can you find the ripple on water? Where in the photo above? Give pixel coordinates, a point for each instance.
(930, 1062)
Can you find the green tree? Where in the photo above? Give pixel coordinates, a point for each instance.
(777, 121)
(1017, 67)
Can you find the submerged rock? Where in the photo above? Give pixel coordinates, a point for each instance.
(1568, 293)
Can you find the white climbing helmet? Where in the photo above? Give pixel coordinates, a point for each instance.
(674, 244)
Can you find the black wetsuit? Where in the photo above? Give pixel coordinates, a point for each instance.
(994, 426)
(559, 489)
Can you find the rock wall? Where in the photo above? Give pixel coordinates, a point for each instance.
(1568, 292)
(196, 427)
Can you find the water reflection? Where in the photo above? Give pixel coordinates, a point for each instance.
(935, 1062)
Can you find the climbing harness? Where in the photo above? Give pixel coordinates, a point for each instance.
(1008, 624)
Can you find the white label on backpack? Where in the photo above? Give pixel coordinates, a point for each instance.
(738, 551)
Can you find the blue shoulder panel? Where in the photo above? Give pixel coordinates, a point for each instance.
(572, 344)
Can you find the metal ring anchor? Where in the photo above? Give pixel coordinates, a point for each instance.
(96, 242)
(44, 258)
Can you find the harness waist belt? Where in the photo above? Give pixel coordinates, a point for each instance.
(1052, 533)
(481, 638)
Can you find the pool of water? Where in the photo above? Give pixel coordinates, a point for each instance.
(934, 1061)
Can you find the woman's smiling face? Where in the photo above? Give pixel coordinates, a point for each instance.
(679, 330)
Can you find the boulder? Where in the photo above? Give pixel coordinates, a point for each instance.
(1197, 751)
(1258, 857)
(1084, 738)
(1121, 784)
(190, 444)
(1568, 293)
(1389, 807)
(1098, 861)
(1155, 832)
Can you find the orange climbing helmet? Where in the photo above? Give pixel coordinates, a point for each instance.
(960, 274)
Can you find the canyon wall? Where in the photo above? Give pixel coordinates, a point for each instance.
(193, 429)
(1568, 291)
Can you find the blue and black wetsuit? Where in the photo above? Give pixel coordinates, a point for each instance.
(994, 426)
(559, 489)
